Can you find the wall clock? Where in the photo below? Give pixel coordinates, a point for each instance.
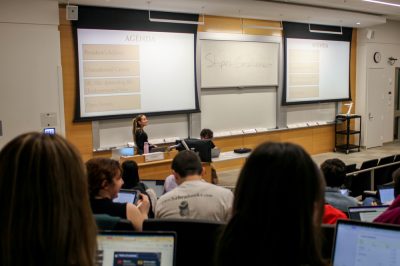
(377, 57)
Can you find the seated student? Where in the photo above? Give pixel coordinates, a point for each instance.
(392, 214)
(334, 171)
(207, 133)
(193, 198)
(105, 181)
(278, 207)
(45, 214)
(130, 176)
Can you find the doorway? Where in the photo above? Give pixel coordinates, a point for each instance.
(396, 126)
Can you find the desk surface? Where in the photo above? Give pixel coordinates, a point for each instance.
(230, 155)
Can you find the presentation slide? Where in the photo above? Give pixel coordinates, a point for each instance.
(317, 70)
(127, 72)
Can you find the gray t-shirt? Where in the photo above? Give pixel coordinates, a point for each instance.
(196, 200)
(334, 197)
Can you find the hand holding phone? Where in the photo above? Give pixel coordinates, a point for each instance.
(127, 196)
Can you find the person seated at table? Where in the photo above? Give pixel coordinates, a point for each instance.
(277, 209)
(334, 171)
(193, 198)
(45, 213)
(105, 181)
(130, 176)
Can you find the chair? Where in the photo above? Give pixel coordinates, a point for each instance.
(107, 222)
(349, 169)
(361, 182)
(196, 239)
(328, 234)
(383, 175)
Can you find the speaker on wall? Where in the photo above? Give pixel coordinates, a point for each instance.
(370, 34)
(72, 12)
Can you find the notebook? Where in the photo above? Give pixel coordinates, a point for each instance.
(386, 194)
(360, 243)
(366, 213)
(133, 248)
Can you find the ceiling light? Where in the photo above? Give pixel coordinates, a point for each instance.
(382, 3)
(358, 23)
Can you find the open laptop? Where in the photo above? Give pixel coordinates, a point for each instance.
(366, 213)
(360, 243)
(386, 194)
(133, 248)
(215, 153)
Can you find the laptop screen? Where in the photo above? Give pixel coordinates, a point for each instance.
(126, 197)
(128, 248)
(386, 194)
(359, 243)
(366, 213)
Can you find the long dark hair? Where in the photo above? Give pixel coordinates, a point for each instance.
(130, 174)
(277, 209)
(45, 213)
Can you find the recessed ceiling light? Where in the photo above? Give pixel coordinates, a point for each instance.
(382, 3)
(358, 23)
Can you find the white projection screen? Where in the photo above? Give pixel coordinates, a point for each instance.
(128, 72)
(317, 70)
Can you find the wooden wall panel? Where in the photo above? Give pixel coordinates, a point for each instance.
(314, 140)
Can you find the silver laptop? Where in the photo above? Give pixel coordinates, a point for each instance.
(366, 213)
(366, 244)
(119, 248)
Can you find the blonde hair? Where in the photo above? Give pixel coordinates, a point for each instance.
(46, 215)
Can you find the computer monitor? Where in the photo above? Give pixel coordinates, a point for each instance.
(201, 146)
(119, 248)
(360, 243)
(366, 213)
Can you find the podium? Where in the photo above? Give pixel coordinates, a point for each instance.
(160, 169)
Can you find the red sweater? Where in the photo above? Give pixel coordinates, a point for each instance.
(391, 215)
(331, 215)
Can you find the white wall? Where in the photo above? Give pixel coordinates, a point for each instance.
(30, 67)
(386, 40)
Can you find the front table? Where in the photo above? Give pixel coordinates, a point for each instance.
(159, 170)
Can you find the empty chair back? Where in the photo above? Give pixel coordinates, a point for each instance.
(196, 239)
(351, 168)
(383, 175)
(107, 222)
(361, 182)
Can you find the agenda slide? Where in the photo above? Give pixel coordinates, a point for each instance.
(130, 72)
(317, 70)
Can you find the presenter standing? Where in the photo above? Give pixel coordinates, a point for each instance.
(139, 135)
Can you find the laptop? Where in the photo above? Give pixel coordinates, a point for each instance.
(127, 196)
(386, 194)
(366, 213)
(360, 243)
(124, 248)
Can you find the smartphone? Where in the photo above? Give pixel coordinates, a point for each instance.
(127, 196)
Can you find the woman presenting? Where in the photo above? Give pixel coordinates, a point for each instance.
(139, 135)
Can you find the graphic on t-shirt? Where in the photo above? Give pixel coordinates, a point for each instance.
(184, 208)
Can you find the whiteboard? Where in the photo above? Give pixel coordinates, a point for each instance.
(238, 63)
(311, 112)
(237, 109)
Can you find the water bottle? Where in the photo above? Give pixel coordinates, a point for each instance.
(146, 148)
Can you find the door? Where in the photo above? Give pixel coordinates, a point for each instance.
(397, 106)
(376, 81)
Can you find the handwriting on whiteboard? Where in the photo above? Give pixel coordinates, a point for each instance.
(221, 62)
